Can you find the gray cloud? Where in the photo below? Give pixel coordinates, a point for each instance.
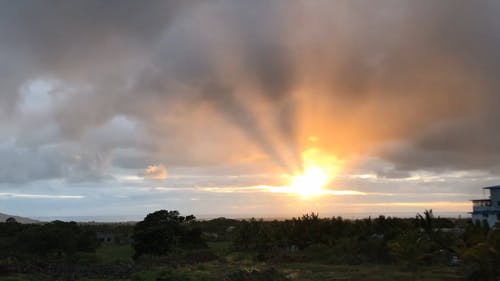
(225, 82)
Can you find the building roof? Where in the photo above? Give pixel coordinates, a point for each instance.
(493, 187)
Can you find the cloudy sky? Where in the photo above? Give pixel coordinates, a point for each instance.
(124, 107)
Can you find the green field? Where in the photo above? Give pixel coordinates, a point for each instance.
(111, 253)
(245, 262)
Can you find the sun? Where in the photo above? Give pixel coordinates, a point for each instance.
(318, 170)
(310, 183)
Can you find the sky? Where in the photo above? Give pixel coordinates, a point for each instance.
(120, 108)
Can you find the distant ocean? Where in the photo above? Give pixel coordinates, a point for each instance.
(133, 218)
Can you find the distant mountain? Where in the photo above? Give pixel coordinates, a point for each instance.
(4, 217)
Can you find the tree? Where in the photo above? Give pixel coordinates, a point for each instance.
(161, 231)
(11, 220)
(426, 222)
(409, 249)
(56, 238)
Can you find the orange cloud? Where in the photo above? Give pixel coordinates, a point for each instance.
(156, 172)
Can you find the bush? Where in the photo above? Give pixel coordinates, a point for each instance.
(480, 263)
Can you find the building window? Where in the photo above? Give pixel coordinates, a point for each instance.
(498, 203)
(498, 217)
(485, 215)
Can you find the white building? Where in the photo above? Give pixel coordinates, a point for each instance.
(487, 210)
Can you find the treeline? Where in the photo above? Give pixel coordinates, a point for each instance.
(355, 241)
(56, 240)
(411, 242)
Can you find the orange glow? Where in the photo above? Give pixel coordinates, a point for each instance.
(318, 171)
(310, 183)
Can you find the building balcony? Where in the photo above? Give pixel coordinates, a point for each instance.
(481, 203)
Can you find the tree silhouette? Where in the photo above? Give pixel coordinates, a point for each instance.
(161, 231)
(11, 220)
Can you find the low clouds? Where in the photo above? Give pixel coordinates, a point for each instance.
(24, 165)
(92, 89)
(70, 162)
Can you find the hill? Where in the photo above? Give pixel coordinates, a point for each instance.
(19, 219)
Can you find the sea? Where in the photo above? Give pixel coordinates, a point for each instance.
(139, 217)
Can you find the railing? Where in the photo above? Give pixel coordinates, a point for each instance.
(481, 203)
(481, 208)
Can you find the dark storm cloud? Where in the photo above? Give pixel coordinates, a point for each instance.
(55, 33)
(467, 34)
(209, 82)
(462, 145)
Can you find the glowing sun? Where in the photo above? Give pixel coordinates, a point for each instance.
(318, 171)
(310, 183)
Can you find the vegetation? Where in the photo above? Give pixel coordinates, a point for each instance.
(168, 246)
(163, 230)
(55, 240)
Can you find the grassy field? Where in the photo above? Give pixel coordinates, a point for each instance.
(230, 262)
(111, 253)
(311, 272)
